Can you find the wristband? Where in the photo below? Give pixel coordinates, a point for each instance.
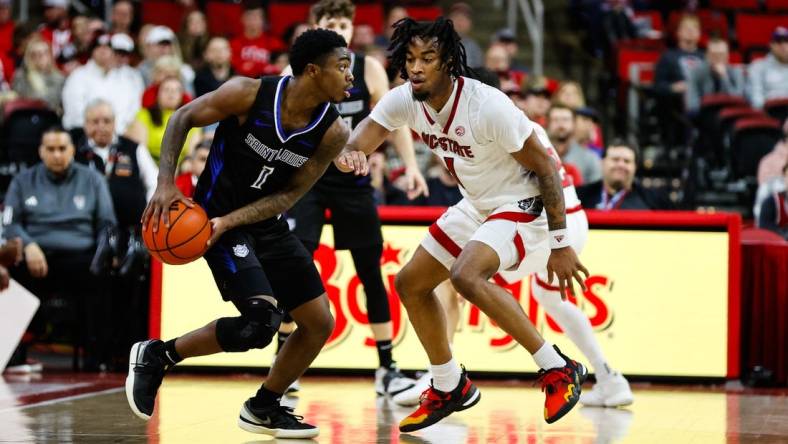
(558, 239)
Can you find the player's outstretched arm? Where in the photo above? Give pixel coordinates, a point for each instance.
(563, 261)
(303, 179)
(365, 139)
(234, 97)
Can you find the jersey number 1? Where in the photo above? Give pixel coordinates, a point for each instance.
(266, 171)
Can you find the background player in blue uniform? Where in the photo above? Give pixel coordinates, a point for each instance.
(354, 216)
(277, 136)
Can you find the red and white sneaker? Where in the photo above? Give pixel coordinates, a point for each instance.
(435, 405)
(562, 387)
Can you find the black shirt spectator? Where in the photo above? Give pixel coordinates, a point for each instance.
(217, 67)
(618, 189)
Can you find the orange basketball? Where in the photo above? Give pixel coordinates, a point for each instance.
(185, 239)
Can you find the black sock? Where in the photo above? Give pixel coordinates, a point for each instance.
(265, 398)
(171, 356)
(384, 353)
(280, 340)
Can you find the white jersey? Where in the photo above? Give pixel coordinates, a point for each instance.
(474, 135)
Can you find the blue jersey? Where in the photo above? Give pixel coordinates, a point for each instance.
(252, 160)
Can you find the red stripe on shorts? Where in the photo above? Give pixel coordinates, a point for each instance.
(512, 216)
(574, 209)
(444, 240)
(518, 244)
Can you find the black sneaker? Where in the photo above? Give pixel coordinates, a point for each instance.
(435, 405)
(146, 371)
(275, 420)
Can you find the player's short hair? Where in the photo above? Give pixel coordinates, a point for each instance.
(620, 142)
(333, 8)
(452, 51)
(313, 46)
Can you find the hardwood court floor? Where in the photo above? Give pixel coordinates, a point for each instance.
(204, 409)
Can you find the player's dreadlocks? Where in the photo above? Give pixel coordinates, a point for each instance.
(452, 51)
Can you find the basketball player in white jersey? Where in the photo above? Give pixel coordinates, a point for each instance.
(612, 389)
(507, 179)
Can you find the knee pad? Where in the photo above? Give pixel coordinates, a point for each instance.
(255, 328)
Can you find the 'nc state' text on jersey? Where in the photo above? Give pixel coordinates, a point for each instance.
(447, 144)
(270, 154)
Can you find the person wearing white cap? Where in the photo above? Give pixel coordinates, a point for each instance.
(161, 41)
(102, 78)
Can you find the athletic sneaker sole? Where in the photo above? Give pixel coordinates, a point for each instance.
(581, 377)
(134, 356)
(475, 398)
(248, 422)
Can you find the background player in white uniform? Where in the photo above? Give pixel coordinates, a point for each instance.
(507, 179)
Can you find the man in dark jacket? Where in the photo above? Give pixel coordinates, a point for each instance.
(618, 189)
(60, 210)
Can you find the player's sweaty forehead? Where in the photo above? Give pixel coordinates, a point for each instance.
(342, 53)
(423, 46)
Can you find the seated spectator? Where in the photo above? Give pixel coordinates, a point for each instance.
(56, 29)
(670, 80)
(769, 165)
(619, 189)
(393, 15)
(128, 166)
(713, 76)
(363, 36)
(461, 14)
(570, 94)
(99, 79)
(561, 128)
(122, 18)
(166, 67)
(61, 210)
(774, 210)
(150, 123)
(537, 99)
(768, 77)
(444, 189)
(38, 77)
(194, 38)
(217, 68)
(6, 27)
(252, 50)
(508, 39)
(498, 61)
(587, 131)
(187, 181)
(160, 41)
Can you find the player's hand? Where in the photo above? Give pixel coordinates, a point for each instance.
(5, 278)
(36, 260)
(417, 186)
(165, 195)
(355, 161)
(219, 226)
(564, 264)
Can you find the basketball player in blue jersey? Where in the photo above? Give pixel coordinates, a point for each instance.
(276, 137)
(354, 216)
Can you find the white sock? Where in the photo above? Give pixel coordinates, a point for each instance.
(577, 327)
(547, 358)
(446, 377)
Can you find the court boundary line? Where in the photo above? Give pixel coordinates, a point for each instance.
(63, 399)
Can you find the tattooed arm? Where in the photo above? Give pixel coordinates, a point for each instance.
(269, 206)
(563, 262)
(234, 97)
